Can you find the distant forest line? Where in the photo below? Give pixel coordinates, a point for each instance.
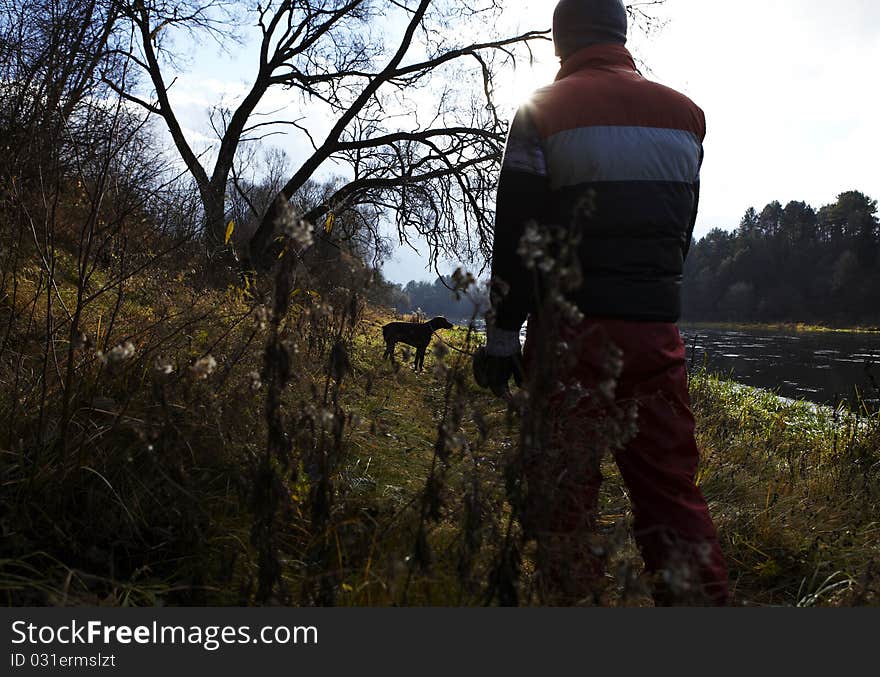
(437, 298)
(791, 264)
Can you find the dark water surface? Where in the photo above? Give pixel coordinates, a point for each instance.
(824, 367)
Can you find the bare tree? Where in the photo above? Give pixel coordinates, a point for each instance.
(399, 97)
(413, 123)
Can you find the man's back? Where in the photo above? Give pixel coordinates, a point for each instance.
(632, 149)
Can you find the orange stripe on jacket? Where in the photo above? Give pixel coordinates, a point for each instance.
(600, 86)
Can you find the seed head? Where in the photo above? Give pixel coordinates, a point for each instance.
(117, 354)
(204, 367)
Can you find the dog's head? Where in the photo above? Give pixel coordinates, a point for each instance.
(440, 323)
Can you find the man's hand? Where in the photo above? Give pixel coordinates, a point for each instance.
(495, 372)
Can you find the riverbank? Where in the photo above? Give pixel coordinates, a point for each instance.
(790, 327)
(823, 367)
(795, 491)
(794, 488)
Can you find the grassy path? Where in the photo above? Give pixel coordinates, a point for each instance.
(794, 491)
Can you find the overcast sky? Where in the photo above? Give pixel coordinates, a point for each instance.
(790, 91)
(789, 88)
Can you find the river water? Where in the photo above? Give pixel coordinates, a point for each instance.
(824, 367)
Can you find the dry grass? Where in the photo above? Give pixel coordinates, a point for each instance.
(795, 492)
(151, 494)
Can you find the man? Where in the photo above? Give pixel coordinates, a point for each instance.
(613, 159)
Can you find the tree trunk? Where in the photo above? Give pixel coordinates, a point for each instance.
(215, 219)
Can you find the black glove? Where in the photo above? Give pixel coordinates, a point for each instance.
(494, 372)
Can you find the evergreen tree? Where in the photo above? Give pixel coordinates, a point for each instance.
(791, 264)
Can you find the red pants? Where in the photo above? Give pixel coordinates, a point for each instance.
(673, 528)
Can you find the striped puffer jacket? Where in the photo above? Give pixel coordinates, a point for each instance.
(631, 149)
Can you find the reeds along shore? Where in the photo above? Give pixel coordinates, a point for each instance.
(795, 489)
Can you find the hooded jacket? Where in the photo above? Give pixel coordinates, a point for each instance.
(617, 157)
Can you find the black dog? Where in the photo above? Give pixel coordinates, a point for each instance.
(415, 334)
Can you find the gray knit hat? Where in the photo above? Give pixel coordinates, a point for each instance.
(581, 23)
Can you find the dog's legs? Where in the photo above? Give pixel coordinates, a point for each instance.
(389, 351)
(420, 358)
